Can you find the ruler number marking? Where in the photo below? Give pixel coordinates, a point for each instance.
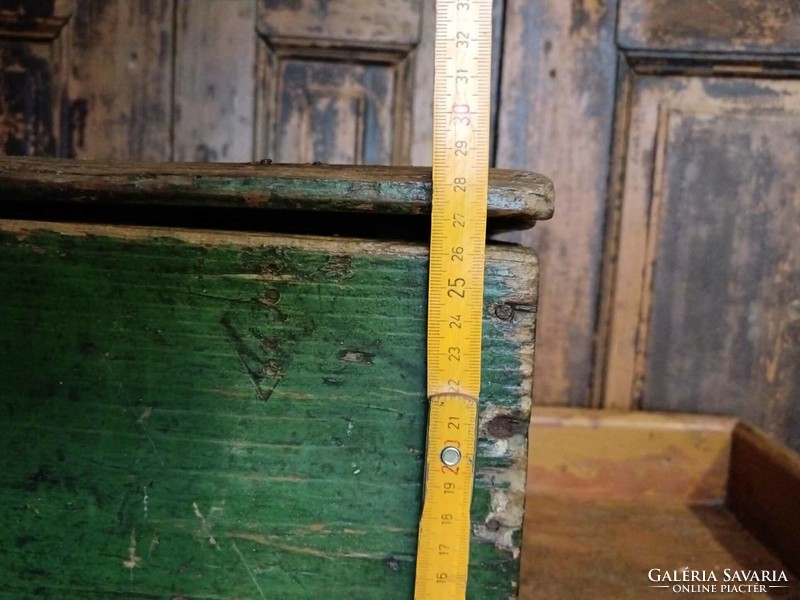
(460, 160)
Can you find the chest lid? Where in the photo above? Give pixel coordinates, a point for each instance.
(310, 198)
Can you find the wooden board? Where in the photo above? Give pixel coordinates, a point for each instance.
(516, 199)
(762, 26)
(556, 112)
(605, 550)
(704, 313)
(191, 414)
(613, 495)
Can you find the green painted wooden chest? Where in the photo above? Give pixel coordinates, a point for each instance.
(212, 381)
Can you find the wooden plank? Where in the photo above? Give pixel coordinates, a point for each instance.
(702, 316)
(574, 549)
(120, 82)
(337, 112)
(613, 495)
(33, 72)
(515, 198)
(215, 55)
(343, 82)
(764, 491)
(389, 23)
(593, 455)
(206, 414)
(556, 108)
(744, 26)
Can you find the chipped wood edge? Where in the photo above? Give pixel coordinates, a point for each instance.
(508, 431)
(396, 190)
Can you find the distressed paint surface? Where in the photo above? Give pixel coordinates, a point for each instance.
(32, 75)
(120, 84)
(754, 26)
(556, 110)
(198, 415)
(343, 82)
(703, 316)
(214, 101)
(516, 199)
(739, 309)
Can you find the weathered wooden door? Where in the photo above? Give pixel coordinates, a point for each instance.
(672, 131)
(223, 80)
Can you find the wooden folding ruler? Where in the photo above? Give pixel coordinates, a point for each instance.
(455, 297)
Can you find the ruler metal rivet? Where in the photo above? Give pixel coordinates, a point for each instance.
(451, 456)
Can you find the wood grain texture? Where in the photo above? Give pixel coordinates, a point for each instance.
(647, 457)
(388, 23)
(202, 414)
(33, 21)
(515, 197)
(704, 301)
(556, 108)
(120, 84)
(343, 82)
(764, 491)
(743, 26)
(605, 549)
(33, 74)
(613, 495)
(214, 103)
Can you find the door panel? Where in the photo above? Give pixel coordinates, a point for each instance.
(726, 329)
(214, 103)
(120, 79)
(336, 113)
(32, 74)
(336, 81)
(706, 309)
(556, 113)
(726, 26)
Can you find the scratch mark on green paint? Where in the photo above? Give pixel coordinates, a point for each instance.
(399, 392)
(145, 414)
(269, 541)
(154, 542)
(249, 572)
(133, 559)
(205, 530)
(152, 443)
(241, 352)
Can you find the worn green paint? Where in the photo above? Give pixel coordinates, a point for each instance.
(216, 420)
(515, 201)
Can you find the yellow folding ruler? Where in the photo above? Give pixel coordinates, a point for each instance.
(455, 296)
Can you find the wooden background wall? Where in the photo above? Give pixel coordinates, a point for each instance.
(671, 128)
